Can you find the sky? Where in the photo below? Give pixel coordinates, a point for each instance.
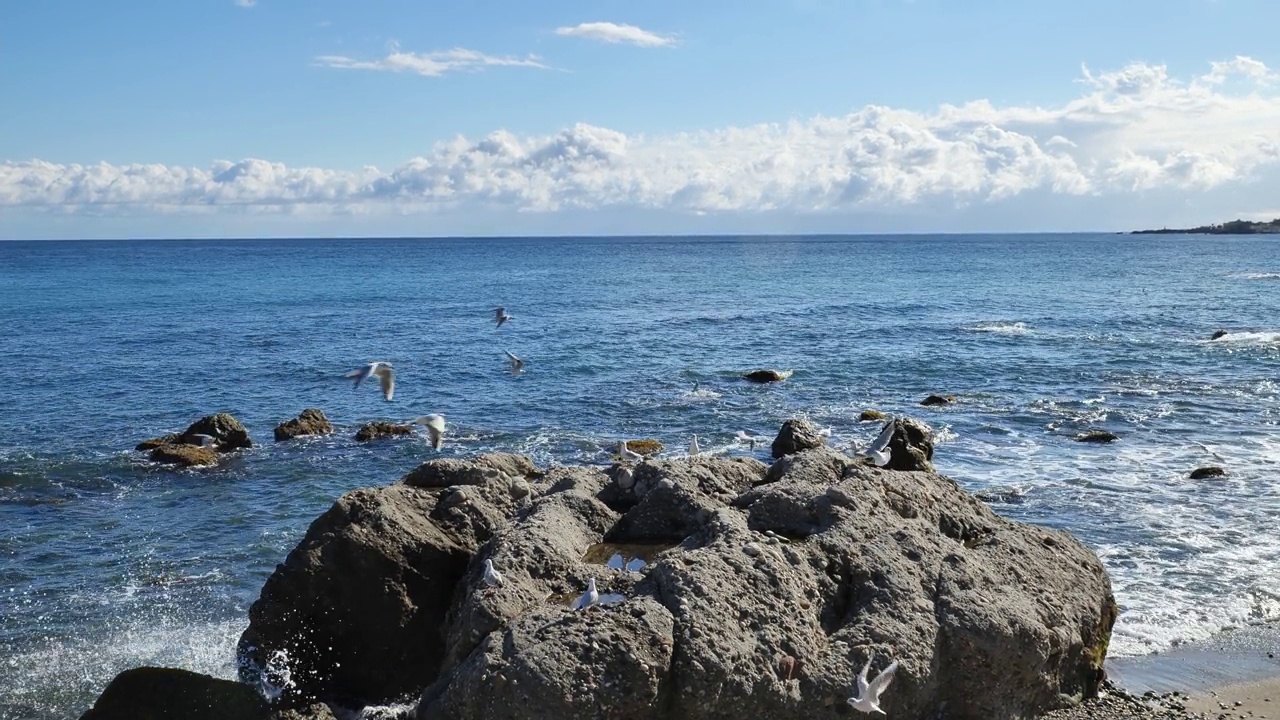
(285, 118)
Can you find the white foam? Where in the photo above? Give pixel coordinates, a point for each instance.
(1259, 276)
(1248, 338)
(1003, 328)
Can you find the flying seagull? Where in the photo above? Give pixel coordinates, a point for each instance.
(868, 699)
(385, 374)
(628, 455)
(590, 597)
(879, 451)
(500, 315)
(516, 363)
(435, 428)
(693, 446)
(492, 577)
(747, 436)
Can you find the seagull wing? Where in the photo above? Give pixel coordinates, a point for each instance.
(435, 429)
(387, 377)
(360, 374)
(882, 441)
(882, 680)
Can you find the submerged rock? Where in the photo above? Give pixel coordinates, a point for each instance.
(152, 693)
(796, 435)
(938, 400)
(645, 446)
(869, 415)
(1097, 436)
(309, 422)
(185, 455)
(1210, 471)
(768, 376)
(376, 430)
(1218, 334)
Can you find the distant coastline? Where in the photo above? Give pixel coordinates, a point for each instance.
(1233, 227)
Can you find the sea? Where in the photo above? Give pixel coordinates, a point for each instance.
(108, 561)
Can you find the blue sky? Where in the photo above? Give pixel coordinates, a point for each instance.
(296, 118)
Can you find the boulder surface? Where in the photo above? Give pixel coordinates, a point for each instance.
(311, 421)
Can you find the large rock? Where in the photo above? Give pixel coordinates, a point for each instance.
(768, 376)
(186, 448)
(911, 447)
(674, 497)
(796, 435)
(311, 421)
(356, 610)
(152, 693)
(184, 455)
(229, 433)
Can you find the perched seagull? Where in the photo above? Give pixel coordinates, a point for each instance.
(868, 699)
(435, 428)
(516, 363)
(492, 577)
(824, 433)
(205, 440)
(591, 597)
(693, 447)
(747, 436)
(878, 451)
(626, 454)
(500, 315)
(386, 375)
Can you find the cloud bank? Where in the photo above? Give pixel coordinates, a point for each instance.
(431, 64)
(614, 33)
(1130, 131)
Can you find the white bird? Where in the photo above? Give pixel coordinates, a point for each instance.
(824, 433)
(500, 315)
(383, 370)
(516, 363)
(205, 440)
(747, 436)
(868, 698)
(492, 577)
(435, 428)
(879, 450)
(588, 598)
(628, 455)
(693, 447)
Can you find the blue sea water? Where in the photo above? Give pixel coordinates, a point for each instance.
(108, 561)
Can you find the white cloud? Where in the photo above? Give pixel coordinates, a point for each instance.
(1132, 132)
(246, 3)
(432, 64)
(614, 33)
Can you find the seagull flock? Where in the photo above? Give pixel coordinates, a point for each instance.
(876, 453)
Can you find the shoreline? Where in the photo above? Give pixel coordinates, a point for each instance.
(1240, 656)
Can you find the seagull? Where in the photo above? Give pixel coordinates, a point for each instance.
(205, 440)
(878, 451)
(435, 428)
(693, 446)
(824, 433)
(383, 371)
(516, 363)
(868, 699)
(626, 454)
(747, 436)
(591, 597)
(501, 316)
(492, 577)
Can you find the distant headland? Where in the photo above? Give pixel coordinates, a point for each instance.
(1233, 227)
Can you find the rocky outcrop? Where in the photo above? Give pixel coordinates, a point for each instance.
(311, 421)
(356, 609)
(189, 448)
(645, 446)
(1209, 471)
(869, 415)
(796, 435)
(1097, 436)
(761, 593)
(1218, 334)
(377, 430)
(933, 400)
(152, 693)
(768, 376)
(911, 447)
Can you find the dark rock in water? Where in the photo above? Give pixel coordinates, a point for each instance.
(1218, 333)
(768, 376)
(185, 455)
(153, 443)
(229, 433)
(1210, 471)
(645, 446)
(376, 430)
(309, 422)
(1097, 436)
(911, 447)
(869, 415)
(938, 400)
(151, 693)
(358, 606)
(796, 435)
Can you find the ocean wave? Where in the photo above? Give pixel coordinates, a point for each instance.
(1002, 328)
(1268, 337)
(1259, 276)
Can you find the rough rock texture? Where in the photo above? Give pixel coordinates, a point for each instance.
(645, 446)
(768, 376)
(357, 606)
(311, 421)
(184, 448)
(911, 447)
(1114, 703)
(152, 693)
(938, 400)
(673, 498)
(1217, 334)
(1097, 436)
(869, 415)
(379, 429)
(1210, 471)
(796, 435)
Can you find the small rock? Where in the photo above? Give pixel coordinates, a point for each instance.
(794, 436)
(938, 400)
(375, 430)
(645, 446)
(752, 549)
(1097, 436)
(1209, 471)
(185, 455)
(309, 422)
(1217, 334)
(768, 376)
(869, 415)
